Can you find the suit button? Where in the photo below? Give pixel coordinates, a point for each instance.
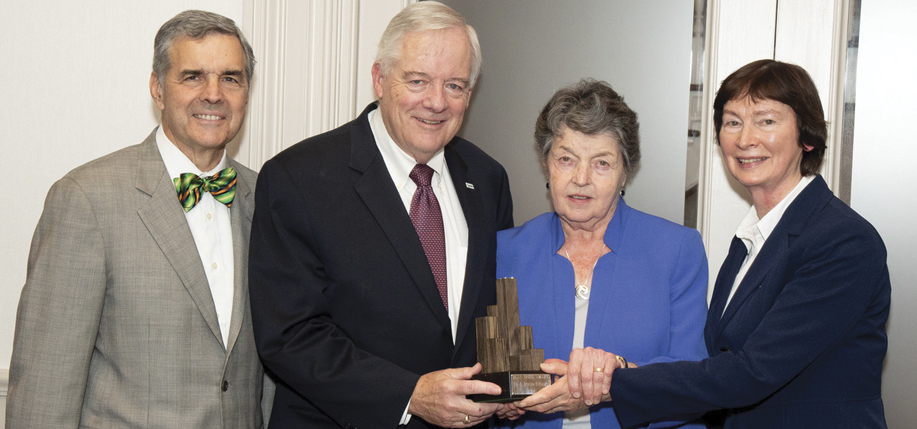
(225, 385)
(350, 426)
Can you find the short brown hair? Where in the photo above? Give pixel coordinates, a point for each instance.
(788, 84)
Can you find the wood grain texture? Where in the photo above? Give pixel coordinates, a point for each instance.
(503, 345)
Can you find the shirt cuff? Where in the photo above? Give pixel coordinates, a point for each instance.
(406, 418)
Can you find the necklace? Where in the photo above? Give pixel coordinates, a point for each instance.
(582, 291)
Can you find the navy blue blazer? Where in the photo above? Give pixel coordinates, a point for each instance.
(345, 309)
(801, 344)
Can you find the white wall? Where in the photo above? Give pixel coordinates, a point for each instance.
(74, 86)
(883, 189)
(532, 48)
(4, 378)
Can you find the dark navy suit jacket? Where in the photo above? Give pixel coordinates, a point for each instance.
(801, 344)
(345, 308)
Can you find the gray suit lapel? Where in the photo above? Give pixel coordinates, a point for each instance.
(241, 216)
(166, 223)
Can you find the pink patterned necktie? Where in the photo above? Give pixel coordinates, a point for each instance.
(428, 221)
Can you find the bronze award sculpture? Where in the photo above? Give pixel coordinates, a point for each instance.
(506, 350)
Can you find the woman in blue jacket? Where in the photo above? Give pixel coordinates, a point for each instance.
(597, 273)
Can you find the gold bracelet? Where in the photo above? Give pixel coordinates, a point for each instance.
(622, 360)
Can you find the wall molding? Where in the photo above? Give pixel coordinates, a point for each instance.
(306, 77)
(737, 33)
(4, 388)
(811, 33)
(314, 61)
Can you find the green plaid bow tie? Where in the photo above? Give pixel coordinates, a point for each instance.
(221, 185)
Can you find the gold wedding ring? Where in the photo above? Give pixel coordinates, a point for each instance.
(467, 420)
(598, 369)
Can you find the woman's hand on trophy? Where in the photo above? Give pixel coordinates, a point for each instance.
(589, 373)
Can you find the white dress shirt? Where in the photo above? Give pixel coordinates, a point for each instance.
(754, 231)
(580, 418)
(210, 226)
(455, 229)
(399, 165)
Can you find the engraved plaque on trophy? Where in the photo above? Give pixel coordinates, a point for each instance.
(506, 350)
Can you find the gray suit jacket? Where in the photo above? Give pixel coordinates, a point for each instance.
(116, 325)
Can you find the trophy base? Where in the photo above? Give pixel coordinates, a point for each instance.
(516, 385)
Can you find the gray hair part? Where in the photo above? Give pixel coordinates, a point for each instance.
(196, 24)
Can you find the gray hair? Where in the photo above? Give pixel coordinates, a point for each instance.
(196, 24)
(425, 16)
(592, 108)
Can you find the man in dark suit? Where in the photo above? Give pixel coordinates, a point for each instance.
(135, 309)
(373, 246)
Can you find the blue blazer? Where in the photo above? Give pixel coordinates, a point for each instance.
(801, 344)
(648, 297)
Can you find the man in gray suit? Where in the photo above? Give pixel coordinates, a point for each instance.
(135, 310)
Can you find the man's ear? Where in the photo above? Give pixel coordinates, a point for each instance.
(156, 91)
(377, 80)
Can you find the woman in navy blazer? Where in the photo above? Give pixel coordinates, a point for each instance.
(796, 326)
(596, 272)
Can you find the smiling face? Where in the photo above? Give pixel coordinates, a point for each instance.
(203, 96)
(424, 97)
(760, 144)
(586, 174)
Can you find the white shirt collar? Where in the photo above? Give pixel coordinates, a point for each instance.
(176, 161)
(757, 230)
(398, 162)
